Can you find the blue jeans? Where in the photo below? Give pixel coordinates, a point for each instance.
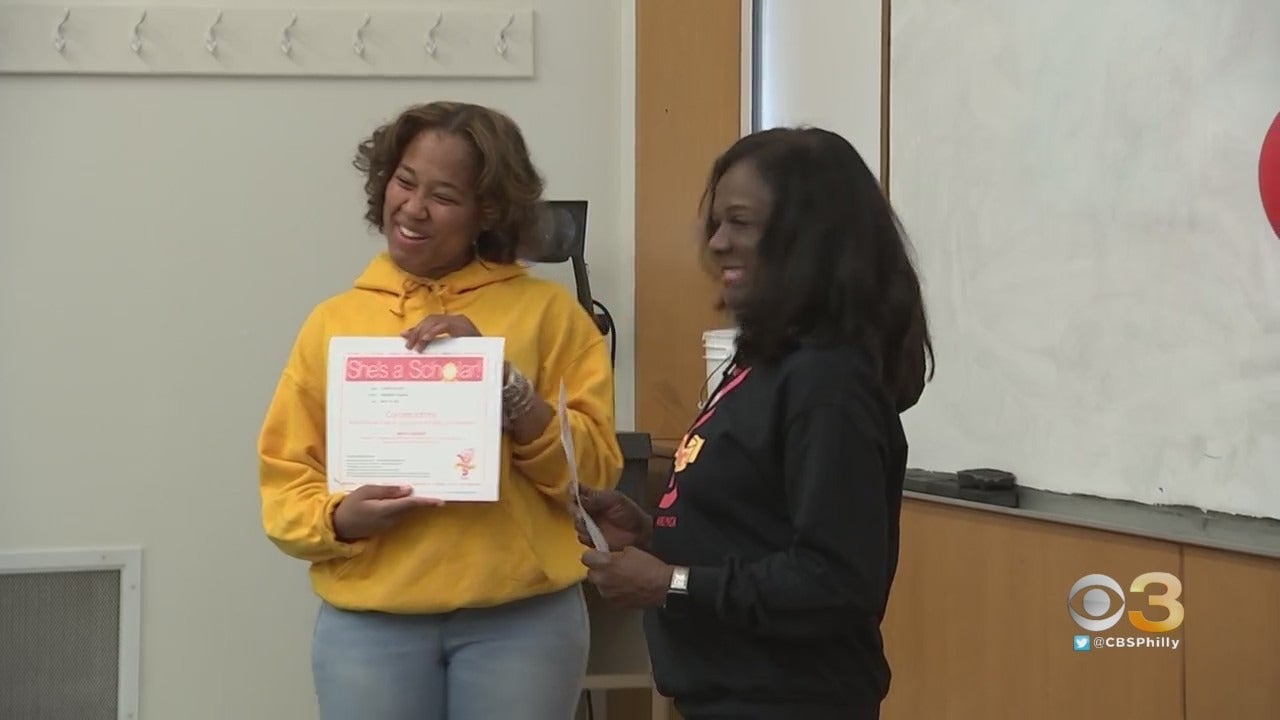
(520, 661)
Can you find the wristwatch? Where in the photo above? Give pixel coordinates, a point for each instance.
(678, 591)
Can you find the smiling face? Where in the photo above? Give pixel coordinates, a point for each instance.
(740, 210)
(431, 216)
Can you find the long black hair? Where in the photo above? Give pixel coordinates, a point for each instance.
(833, 263)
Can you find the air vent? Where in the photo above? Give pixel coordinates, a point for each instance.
(69, 634)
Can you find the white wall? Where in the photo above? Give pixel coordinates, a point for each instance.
(161, 240)
(820, 65)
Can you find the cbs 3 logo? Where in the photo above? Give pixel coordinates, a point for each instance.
(1100, 612)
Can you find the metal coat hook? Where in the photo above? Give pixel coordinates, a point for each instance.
(430, 45)
(501, 43)
(286, 36)
(210, 39)
(59, 41)
(357, 42)
(135, 36)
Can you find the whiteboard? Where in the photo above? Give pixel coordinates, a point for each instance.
(1080, 181)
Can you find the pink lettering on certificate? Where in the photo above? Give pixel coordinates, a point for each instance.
(428, 368)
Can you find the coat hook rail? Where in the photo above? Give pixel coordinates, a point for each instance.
(248, 40)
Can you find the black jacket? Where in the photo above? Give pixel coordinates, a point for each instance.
(784, 501)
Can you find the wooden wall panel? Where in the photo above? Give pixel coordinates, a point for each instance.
(977, 625)
(688, 86)
(688, 111)
(1233, 635)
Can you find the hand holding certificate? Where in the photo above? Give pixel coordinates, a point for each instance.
(428, 420)
(373, 509)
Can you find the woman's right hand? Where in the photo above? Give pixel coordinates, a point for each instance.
(620, 519)
(373, 509)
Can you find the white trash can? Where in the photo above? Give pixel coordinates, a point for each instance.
(718, 347)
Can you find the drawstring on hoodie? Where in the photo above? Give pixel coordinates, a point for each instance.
(409, 287)
(398, 287)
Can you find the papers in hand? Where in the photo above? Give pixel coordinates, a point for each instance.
(566, 439)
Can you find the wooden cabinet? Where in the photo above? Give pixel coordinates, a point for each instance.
(978, 626)
(1233, 638)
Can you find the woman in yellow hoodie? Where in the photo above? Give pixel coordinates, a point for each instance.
(460, 611)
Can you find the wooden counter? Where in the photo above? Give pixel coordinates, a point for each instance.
(978, 624)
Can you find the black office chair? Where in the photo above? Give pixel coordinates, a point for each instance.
(565, 239)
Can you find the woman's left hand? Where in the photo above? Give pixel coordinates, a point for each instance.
(536, 414)
(632, 578)
(434, 326)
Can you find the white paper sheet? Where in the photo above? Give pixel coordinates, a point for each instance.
(430, 420)
(566, 439)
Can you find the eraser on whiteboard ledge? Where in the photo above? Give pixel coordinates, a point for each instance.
(945, 484)
(986, 479)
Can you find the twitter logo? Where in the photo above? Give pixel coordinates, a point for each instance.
(1082, 643)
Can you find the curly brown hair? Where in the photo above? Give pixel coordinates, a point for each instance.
(508, 186)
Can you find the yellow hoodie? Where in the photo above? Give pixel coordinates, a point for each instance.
(462, 554)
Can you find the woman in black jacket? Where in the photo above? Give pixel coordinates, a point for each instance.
(766, 566)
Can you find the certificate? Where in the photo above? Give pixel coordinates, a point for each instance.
(431, 420)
